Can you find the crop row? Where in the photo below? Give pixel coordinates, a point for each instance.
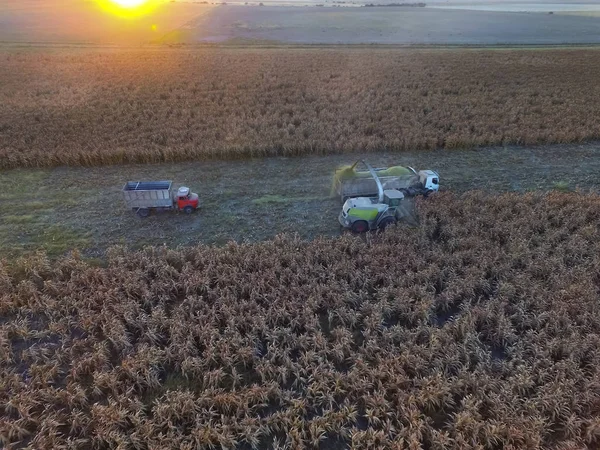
(479, 329)
(93, 108)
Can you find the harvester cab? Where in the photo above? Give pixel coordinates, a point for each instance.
(392, 197)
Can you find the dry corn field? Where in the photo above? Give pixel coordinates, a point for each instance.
(84, 107)
(478, 330)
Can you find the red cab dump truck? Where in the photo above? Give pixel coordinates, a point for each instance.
(145, 196)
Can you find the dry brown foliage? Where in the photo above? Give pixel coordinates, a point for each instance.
(91, 108)
(480, 329)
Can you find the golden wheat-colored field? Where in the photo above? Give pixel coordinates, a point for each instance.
(85, 107)
(478, 330)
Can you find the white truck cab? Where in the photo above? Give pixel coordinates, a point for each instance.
(430, 180)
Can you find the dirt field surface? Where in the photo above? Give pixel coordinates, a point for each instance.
(386, 25)
(61, 208)
(555, 6)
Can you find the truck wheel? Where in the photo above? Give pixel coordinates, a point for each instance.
(188, 210)
(427, 193)
(360, 226)
(386, 222)
(143, 212)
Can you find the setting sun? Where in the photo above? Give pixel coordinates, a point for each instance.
(128, 3)
(128, 8)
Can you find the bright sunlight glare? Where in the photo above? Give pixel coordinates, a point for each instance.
(128, 8)
(129, 3)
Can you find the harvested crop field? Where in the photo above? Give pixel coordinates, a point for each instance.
(479, 329)
(86, 107)
(58, 209)
(388, 25)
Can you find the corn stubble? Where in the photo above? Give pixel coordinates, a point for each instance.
(478, 330)
(92, 108)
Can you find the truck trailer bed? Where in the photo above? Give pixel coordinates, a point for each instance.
(148, 194)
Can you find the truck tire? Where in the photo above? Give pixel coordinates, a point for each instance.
(427, 193)
(188, 210)
(386, 222)
(360, 226)
(143, 212)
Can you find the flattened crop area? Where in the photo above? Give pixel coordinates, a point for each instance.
(479, 329)
(86, 107)
(249, 200)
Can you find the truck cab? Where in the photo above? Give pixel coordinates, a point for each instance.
(430, 180)
(186, 201)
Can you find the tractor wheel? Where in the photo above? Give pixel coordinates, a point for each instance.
(386, 222)
(360, 226)
(188, 210)
(143, 212)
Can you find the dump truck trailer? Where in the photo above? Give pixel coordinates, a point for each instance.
(350, 183)
(146, 196)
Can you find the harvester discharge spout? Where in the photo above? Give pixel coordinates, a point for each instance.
(377, 180)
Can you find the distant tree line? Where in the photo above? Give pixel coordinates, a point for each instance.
(412, 5)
